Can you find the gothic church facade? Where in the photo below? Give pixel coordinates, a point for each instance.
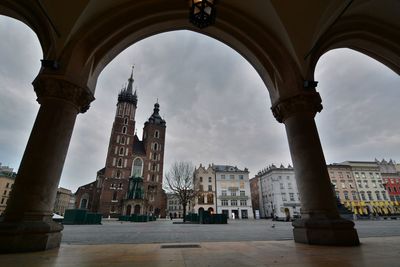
(130, 163)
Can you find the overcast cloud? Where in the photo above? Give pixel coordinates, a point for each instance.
(216, 107)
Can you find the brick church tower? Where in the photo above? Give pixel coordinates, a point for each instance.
(128, 159)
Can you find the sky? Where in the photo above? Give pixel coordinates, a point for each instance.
(215, 104)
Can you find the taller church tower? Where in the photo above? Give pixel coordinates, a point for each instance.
(114, 177)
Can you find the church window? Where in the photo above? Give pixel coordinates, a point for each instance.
(155, 156)
(137, 167)
(155, 146)
(154, 167)
(118, 174)
(156, 134)
(123, 140)
(126, 121)
(120, 185)
(124, 130)
(152, 178)
(115, 195)
(119, 162)
(121, 151)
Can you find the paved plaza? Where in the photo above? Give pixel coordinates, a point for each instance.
(164, 231)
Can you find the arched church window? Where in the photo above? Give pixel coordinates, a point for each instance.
(126, 121)
(137, 167)
(119, 174)
(123, 140)
(115, 195)
(124, 130)
(152, 178)
(121, 151)
(155, 146)
(156, 134)
(154, 156)
(119, 162)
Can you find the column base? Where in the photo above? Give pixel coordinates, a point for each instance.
(29, 236)
(331, 232)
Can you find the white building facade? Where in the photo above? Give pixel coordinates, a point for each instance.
(279, 197)
(233, 192)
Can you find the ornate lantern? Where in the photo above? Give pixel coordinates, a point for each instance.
(202, 12)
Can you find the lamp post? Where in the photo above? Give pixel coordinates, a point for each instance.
(202, 12)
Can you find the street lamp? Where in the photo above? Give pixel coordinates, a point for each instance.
(202, 12)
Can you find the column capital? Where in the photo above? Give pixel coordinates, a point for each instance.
(52, 87)
(309, 102)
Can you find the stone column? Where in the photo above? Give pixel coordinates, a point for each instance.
(320, 222)
(27, 224)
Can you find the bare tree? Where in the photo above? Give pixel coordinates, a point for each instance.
(179, 181)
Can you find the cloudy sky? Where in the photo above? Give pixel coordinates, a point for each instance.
(216, 106)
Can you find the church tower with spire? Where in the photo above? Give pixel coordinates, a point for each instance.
(131, 181)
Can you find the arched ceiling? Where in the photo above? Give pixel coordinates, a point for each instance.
(282, 39)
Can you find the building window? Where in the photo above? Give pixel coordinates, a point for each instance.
(284, 197)
(369, 193)
(114, 195)
(121, 151)
(384, 195)
(233, 202)
(201, 199)
(291, 196)
(378, 196)
(224, 193)
(124, 130)
(126, 121)
(123, 140)
(282, 186)
(362, 195)
(289, 185)
(119, 164)
(242, 193)
(137, 167)
(354, 195)
(201, 179)
(210, 199)
(343, 184)
(155, 146)
(366, 184)
(209, 179)
(223, 176)
(240, 177)
(156, 134)
(209, 187)
(224, 202)
(233, 193)
(232, 177)
(346, 195)
(243, 202)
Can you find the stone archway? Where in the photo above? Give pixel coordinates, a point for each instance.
(136, 209)
(128, 210)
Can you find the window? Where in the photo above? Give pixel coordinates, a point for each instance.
(224, 202)
(378, 196)
(242, 193)
(224, 193)
(154, 156)
(360, 185)
(231, 176)
(233, 193)
(121, 151)
(126, 121)
(124, 130)
(343, 184)
(243, 202)
(356, 175)
(223, 176)
(284, 197)
(201, 199)
(115, 195)
(384, 195)
(233, 202)
(374, 184)
(354, 195)
(362, 195)
(209, 179)
(289, 185)
(119, 162)
(240, 177)
(210, 199)
(351, 185)
(120, 185)
(123, 140)
(369, 193)
(337, 194)
(291, 195)
(156, 134)
(366, 184)
(201, 179)
(209, 187)
(281, 186)
(346, 195)
(137, 167)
